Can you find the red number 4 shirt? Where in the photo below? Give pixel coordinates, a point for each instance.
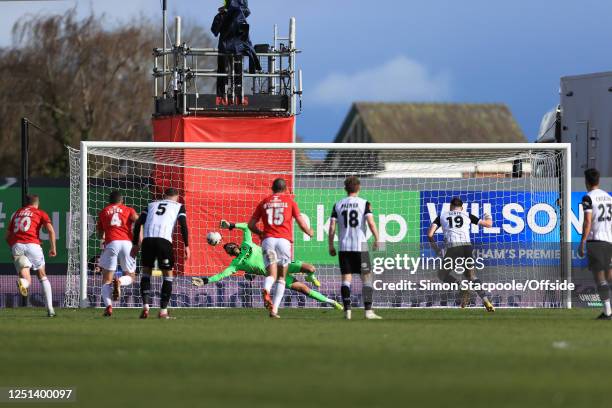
(115, 221)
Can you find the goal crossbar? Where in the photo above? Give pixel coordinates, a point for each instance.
(331, 146)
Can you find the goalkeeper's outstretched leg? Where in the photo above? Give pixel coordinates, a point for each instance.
(293, 284)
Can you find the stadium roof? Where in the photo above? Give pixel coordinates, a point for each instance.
(429, 123)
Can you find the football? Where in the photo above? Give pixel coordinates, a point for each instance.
(213, 238)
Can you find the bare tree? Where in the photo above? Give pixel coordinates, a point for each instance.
(79, 80)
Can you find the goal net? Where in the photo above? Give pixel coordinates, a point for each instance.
(523, 188)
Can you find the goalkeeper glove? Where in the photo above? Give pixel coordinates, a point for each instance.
(199, 281)
(227, 225)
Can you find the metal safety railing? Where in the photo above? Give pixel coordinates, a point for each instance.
(178, 71)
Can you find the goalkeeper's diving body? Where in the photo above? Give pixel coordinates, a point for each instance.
(249, 259)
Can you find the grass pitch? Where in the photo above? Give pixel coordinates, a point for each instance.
(310, 358)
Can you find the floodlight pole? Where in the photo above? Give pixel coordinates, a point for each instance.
(25, 170)
(25, 154)
(165, 41)
(292, 48)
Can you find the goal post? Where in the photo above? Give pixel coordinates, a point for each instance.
(525, 188)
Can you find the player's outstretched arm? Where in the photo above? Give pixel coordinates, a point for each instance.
(227, 272)
(331, 234)
(242, 226)
(246, 232)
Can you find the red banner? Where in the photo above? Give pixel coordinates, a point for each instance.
(220, 184)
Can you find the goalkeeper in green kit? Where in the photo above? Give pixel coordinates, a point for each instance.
(249, 259)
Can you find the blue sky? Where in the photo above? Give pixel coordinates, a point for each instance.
(479, 51)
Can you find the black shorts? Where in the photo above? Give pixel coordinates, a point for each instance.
(463, 251)
(354, 262)
(157, 249)
(599, 254)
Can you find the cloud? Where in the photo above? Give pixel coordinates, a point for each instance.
(400, 79)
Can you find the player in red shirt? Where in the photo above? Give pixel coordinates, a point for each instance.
(23, 236)
(277, 212)
(115, 223)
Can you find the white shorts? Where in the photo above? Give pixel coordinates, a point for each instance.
(33, 253)
(118, 252)
(276, 251)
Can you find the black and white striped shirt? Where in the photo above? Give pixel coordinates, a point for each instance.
(599, 203)
(350, 214)
(161, 217)
(456, 227)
